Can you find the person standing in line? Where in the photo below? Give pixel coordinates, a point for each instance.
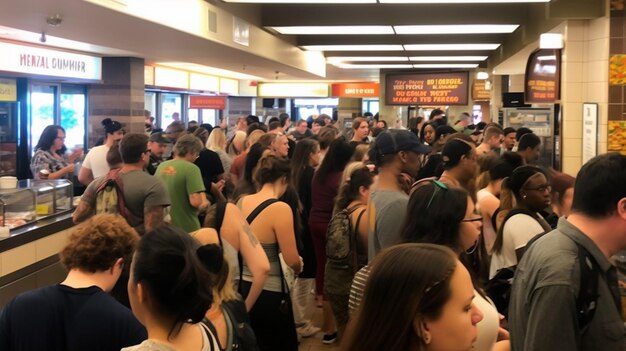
(544, 313)
(50, 161)
(394, 152)
(508, 143)
(95, 164)
(183, 181)
(145, 196)
(491, 141)
(78, 313)
(302, 130)
(157, 144)
(529, 147)
(360, 129)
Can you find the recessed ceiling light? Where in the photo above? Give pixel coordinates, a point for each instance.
(305, 1)
(447, 58)
(338, 59)
(353, 47)
(446, 65)
(366, 66)
(331, 30)
(450, 47)
(457, 1)
(457, 29)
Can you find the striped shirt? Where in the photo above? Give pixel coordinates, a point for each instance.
(357, 289)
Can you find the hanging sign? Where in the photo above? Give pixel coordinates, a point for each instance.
(427, 89)
(208, 102)
(543, 76)
(358, 90)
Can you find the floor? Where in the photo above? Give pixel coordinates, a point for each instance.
(314, 343)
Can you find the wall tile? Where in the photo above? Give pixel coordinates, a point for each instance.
(572, 129)
(616, 46)
(572, 92)
(616, 94)
(603, 133)
(597, 49)
(573, 52)
(598, 28)
(596, 92)
(597, 71)
(615, 112)
(572, 111)
(616, 27)
(575, 30)
(572, 72)
(572, 147)
(571, 164)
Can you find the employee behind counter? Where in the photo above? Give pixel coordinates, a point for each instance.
(50, 160)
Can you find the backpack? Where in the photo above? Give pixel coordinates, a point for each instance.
(110, 198)
(498, 288)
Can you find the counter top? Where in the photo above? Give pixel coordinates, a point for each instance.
(37, 230)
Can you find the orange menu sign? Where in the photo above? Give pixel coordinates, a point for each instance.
(427, 89)
(355, 89)
(208, 102)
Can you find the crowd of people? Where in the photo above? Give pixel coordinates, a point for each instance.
(409, 239)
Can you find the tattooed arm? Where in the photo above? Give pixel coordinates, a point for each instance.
(82, 212)
(237, 232)
(153, 217)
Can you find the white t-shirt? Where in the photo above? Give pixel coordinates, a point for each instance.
(517, 231)
(487, 328)
(96, 161)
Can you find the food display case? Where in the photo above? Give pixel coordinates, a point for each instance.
(52, 196)
(17, 207)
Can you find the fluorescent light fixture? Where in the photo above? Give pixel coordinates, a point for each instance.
(551, 41)
(482, 75)
(304, 1)
(353, 47)
(547, 58)
(208, 70)
(447, 58)
(457, 1)
(457, 29)
(371, 66)
(450, 47)
(339, 59)
(334, 30)
(446, 65)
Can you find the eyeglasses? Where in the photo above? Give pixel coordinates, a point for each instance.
(472, 219)
(542, 188)
(438, 185)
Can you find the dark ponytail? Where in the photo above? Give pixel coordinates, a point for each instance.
(349, 191)
(167, 263)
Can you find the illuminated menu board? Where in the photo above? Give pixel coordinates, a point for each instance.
(427, 89)
(543, 75)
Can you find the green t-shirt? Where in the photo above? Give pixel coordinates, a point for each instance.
(182, 178)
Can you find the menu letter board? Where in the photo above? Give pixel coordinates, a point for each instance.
(427, 89)
(480, 91)
(543, 75)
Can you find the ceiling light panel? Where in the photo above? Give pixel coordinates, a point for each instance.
(446, 65)
(304, 1)
(370, 66)
(458, 1)
(336, 59)
(457, 29)
(334, 30)
(446, 58)
(353, 47)
(450, 47)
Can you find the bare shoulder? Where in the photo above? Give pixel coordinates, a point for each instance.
(206, 236)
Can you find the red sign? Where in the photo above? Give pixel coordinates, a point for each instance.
(543, 75)
(208, 102)
(427, 89)
(355, 89)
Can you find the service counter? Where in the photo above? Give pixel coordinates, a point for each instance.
(40, 216)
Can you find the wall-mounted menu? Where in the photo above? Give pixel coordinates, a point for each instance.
(427, 89)
(543, 75)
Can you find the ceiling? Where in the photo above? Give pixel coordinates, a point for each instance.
(92, 27)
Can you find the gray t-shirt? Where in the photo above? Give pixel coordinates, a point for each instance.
(542, 311)
(141, 191)
(386, 211)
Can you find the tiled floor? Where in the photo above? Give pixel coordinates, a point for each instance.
(314, 343)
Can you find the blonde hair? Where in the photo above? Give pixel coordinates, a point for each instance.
(347, 172)
(217, 140)
(252, 138)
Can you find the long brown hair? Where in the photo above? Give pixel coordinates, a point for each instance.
(407, 281)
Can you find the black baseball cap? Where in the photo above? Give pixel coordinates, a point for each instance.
(396, 140)
(160, 138)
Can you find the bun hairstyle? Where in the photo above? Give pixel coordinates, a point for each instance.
(111, 126)
(270, 169)
(168, 265)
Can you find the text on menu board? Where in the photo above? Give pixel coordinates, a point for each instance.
(542, 77)
(427, 89)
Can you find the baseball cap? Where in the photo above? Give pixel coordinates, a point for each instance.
(160, 138)
(396, 140)
(453, 150)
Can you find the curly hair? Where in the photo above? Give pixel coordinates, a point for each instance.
(96, 244)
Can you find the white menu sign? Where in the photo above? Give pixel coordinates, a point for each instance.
(46, 62)
(590, 131)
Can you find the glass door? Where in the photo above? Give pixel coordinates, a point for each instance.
(72, 101)
(8, 137)
(43, 108)
(171, 109)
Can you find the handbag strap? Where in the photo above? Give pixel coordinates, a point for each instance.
(220, 211)
(355, 237)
